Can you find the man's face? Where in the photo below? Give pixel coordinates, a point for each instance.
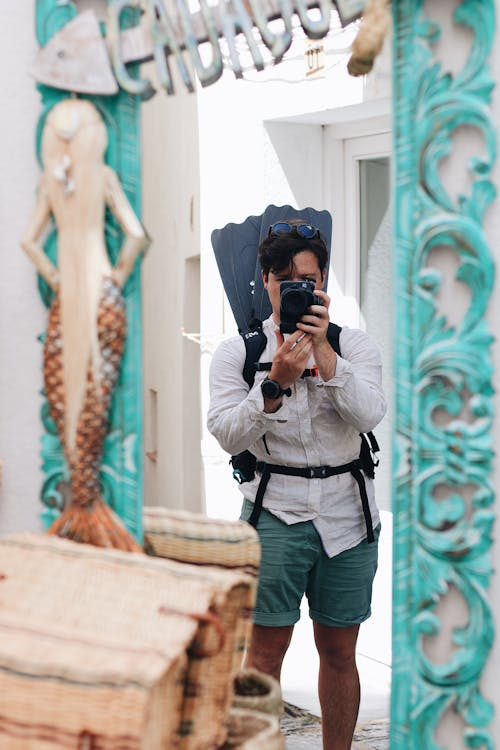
(304, 267)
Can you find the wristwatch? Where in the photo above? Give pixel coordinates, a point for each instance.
(272, 389)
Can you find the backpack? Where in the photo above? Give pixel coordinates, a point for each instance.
(255, 341)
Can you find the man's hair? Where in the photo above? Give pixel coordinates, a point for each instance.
(277, 253)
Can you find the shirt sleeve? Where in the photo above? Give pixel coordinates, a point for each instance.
(355, 390)
(236, 416)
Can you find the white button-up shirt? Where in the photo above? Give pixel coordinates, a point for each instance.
(318, 425)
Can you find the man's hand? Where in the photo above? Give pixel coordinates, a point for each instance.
(290, 358)
(289, 362)
(315, 325)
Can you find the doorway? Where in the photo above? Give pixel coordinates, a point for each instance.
(361, 288)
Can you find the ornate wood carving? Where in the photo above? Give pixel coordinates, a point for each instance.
(122, 465)
(443, 494)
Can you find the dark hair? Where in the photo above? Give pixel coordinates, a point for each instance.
(277, 253)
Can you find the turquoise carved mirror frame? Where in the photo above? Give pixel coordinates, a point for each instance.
(442, 493)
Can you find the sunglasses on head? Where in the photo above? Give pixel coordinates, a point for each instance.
(284, 229)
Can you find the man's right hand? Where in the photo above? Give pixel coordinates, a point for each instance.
(291, 357)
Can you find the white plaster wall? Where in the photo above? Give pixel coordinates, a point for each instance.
(22, 316)
(171, 301)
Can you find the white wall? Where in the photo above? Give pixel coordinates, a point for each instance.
(171, 294)
(22, 315)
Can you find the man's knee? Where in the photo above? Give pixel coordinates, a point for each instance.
(337, 646)
(268, 647)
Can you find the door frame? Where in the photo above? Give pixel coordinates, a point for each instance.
(345, 146)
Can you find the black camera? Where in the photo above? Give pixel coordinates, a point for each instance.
(295, 299)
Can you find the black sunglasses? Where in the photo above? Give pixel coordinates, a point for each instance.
(284, 229)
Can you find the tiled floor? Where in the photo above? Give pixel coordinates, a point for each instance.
(302, 731)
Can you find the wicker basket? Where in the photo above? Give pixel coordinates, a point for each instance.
(101, 648)
(256, 691)
(253, 730)
(205, 542)
(197, 539)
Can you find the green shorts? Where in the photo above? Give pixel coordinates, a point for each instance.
(293, 563)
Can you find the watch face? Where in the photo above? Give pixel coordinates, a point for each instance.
(270, 388)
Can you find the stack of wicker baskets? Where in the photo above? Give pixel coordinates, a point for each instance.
(106, 649)
(205, 542)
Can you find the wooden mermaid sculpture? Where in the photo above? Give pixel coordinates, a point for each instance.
(86, 328)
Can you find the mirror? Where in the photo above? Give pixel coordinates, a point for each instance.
(260, 141)
(281, 140)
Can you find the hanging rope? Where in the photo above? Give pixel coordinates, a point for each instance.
(370, 38)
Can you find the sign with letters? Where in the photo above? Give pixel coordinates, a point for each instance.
(349, 10)
(79, 58)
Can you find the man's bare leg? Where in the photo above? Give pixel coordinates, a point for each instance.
(338, 684)
(267, 648)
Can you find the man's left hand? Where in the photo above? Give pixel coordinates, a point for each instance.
(315, 323)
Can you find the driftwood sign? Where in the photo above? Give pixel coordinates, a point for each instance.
(80, 59)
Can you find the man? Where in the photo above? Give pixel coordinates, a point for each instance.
(312, 530)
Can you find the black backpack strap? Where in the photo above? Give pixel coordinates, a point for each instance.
(313, 472)
(369, 445)
(373, 443)
(259, 497)
(255, 341)
(333, 336)
(358, 476)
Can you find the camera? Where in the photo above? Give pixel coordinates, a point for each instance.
(295, 298)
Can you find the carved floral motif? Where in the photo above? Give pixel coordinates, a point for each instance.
(443, 493)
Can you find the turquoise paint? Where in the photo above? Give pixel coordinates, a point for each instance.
(122, 466)
(442, 544)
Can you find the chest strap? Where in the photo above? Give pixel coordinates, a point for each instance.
(313, 472)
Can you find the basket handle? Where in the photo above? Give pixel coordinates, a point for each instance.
(206, 618)
(86, 740)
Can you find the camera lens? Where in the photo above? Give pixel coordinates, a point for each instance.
(294, 302)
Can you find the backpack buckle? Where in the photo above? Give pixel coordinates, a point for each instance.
(238, 476)
(317, 472)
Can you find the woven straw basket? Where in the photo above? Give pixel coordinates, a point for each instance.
(205, 542)
(256, 691)
(194, 538)
(252, 730)
(105, 649)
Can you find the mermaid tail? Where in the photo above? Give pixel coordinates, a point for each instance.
(88, 518)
